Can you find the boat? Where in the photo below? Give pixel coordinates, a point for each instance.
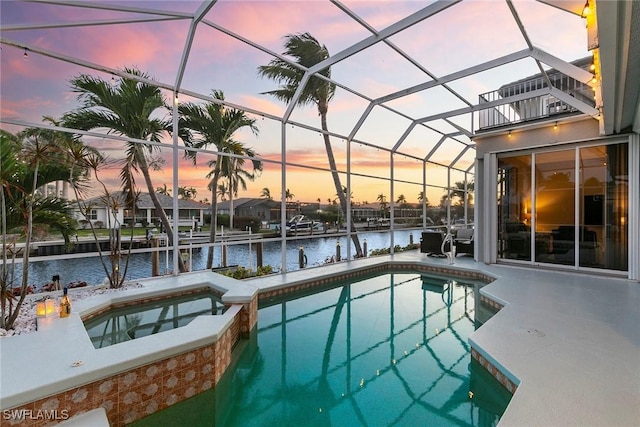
(302, 223)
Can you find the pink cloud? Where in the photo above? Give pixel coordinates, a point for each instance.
(262, 103)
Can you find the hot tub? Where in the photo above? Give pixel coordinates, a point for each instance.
(142, 318)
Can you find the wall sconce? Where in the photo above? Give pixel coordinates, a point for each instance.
(555, 125)
(509, 134)
(45, 307)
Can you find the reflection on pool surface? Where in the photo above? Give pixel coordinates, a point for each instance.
(124, 324)
(380, 351)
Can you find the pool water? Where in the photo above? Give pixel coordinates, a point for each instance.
(388, 350)
(124, 324)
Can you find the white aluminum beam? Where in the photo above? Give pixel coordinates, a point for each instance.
(392, 29)
(393, 46)
(564, 67)
(197, 17)
(485, 105)
(523, 31)
(115, 7)
(459, 156)
(404, 136)
(525, 53)
(461, 130)
(361, 120)
(27, 27)
(574, 102)
(435, 148)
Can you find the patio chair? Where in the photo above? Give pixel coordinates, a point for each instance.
(464, 241)
(431, 243)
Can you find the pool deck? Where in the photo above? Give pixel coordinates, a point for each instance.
(572, 341)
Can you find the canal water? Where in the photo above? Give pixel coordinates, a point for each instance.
(317, 251)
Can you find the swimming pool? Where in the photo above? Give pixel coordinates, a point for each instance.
(385, 350)
(137, 320)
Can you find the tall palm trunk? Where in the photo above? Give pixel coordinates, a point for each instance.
(214, 214)
(336, 178)
(144, 168)
(230, 209)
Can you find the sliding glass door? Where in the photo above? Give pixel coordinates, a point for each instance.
(514, 207)
(555, 207)
(566, 207)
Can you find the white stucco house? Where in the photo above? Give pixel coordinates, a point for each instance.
(113, 212)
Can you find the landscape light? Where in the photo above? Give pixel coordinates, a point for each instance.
(45, 307)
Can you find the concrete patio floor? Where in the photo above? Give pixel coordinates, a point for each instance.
(571, 340)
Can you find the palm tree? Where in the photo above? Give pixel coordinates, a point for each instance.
(163, 190)
(422, 198)
(28, 163)
(212, 124)
(402, 201)
(222, 191)
(344, 191)
(265, 193)
(234, 172)
(382, 199)
(289, 195)
(459, 193)
(187, 193)
(307, 52)
(125, 109)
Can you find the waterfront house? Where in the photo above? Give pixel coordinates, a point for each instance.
(567, 179)
(115, 214)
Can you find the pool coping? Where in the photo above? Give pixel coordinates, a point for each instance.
(49, 346)
(539, 321)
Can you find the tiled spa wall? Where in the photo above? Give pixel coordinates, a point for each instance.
(136, 393)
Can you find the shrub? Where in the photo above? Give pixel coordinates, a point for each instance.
(244, 273)
(242, 222)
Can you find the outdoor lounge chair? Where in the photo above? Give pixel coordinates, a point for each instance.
(464, 241)
(431, 243)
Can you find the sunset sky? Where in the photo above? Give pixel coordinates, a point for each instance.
(463, 35)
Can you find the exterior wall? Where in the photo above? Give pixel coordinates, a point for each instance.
(109, 222)
(542, 137)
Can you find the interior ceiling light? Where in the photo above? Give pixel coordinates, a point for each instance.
(586, 10)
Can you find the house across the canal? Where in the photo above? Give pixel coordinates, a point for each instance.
(113, 212)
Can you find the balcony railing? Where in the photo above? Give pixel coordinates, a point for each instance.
(535, 107)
